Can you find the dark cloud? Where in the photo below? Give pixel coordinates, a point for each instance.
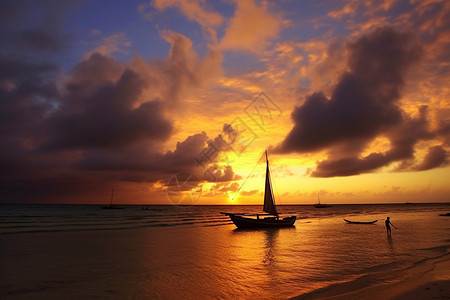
(34, 25)
(106, 116)
(53, 187)
(436, 157)
(143, 159)
(95, 130)
(92, 72)
(100, 124)
(444, 131)
(141, 164)
(403, 139)
(349, 166)
(364, 101)
(363, 105)
(23, 86)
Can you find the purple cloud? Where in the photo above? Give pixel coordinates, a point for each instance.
(363, 105)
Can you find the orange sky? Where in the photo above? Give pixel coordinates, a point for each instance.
(350, 98)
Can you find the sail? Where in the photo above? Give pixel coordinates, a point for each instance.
(269, 205)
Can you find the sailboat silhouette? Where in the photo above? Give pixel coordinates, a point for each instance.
(321, 205)
(272, 220)
(111, 205)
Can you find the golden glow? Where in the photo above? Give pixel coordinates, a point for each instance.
(280, 71)
(232, 196)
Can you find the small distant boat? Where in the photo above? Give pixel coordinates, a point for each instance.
(357, 222)
(445, 215)
(111, 205)
(320, 205)
(272, 220)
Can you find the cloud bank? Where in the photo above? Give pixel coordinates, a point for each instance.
(102, 123)
(363, 105)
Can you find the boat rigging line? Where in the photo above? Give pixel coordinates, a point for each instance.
(237, 193)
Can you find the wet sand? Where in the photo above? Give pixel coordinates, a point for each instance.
(430, 280)
(433, 285)
(430, 290)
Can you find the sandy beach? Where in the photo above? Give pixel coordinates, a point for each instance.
(433, 285)
(430, 290)
(430, 280)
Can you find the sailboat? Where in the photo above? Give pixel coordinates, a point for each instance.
(111, 205)
(271, 219)
(320, 205)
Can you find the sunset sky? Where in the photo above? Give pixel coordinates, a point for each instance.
(351, 99)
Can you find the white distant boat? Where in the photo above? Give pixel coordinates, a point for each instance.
(272, 220)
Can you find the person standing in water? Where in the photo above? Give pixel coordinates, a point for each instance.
(388, 227)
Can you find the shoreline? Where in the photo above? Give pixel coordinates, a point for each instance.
(427, 280)
(434, 284)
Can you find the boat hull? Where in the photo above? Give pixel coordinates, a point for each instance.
(244, 222)
(354, 222)
(322, 205)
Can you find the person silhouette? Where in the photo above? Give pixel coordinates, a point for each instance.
(388, 227)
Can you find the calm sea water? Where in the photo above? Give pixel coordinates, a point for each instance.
(170, 252)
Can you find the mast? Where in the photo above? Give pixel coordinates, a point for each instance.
(112, 193)
(269, 205)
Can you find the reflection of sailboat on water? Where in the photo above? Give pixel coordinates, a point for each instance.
(111, 205)
(321, 205)
(273, 220)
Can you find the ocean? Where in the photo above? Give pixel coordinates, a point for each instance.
(194, 252)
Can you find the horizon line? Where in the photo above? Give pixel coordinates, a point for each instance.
(155, 204)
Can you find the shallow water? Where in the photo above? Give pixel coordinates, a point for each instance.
(195, 252)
